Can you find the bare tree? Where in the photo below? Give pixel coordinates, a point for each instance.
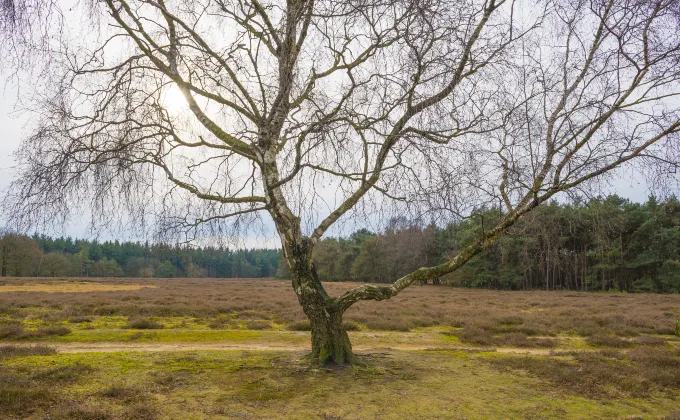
(423, 104)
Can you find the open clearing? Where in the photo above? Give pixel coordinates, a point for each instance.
(212, 348)
(70, 287)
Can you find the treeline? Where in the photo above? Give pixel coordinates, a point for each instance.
(44, 256)
(601, 244)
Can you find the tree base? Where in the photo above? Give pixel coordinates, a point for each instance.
(330, 342)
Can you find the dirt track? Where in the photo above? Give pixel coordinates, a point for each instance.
(155, 347)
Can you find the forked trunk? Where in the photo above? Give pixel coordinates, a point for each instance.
(330, 342)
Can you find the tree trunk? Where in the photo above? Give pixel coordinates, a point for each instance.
(3, 271)
(330, 342)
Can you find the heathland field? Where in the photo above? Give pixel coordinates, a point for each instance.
(114, 348)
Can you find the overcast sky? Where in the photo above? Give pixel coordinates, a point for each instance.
(13, 129)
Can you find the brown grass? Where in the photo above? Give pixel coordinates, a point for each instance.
(228, 303)
(12, 329)
(27, 391)
(20, 351)
(607, 374)
(70, 287)
(604, 340)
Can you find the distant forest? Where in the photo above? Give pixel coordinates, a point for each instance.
(600, 244)
(40, 255)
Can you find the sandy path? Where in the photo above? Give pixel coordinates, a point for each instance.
(160, 347)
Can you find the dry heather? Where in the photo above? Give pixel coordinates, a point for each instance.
(640, 372)
(521, 319)
(627, 364)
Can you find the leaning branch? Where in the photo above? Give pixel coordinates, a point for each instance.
(372, 292)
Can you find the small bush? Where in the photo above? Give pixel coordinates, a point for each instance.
(602, 340)
(455, 323)
(303, 325)
(18, 351)
(250, 314)
(144, 324)
(515, 340)
(258, 325)
(218, 323)
(11, 331)
(79, 319)
(135, 336)
(511, 320)
(53, 330)
(476, 335)
(648, 340)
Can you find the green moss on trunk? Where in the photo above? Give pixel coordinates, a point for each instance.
(330, 342)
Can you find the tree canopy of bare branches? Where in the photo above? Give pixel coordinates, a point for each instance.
(427, 104)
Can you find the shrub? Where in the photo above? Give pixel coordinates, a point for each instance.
(511, 320)
(18, 351)
(476, 335)
(257, 325)
(53, 330)
(218, 323)
(135, 336)
(250, 314)
(79, 319)
(144, 324)
(11, 331)
(515, 340)
(648, 340)
(602, 340)
(302, 325)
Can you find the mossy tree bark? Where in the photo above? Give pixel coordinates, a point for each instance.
(330, 342)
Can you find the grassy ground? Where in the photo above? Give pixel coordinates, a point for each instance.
(203, 348)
